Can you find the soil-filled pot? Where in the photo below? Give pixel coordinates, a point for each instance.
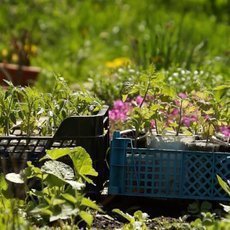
(18, 75)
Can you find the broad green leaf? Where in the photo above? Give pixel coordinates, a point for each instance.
(89, 203)
(54, 154)
(223, 184)
(69, 197)
(15, 178)
(75, 184)
(87, 217)
(82, 163)
(66, 212)
(58, 169)
(52, 180)
(42, 209)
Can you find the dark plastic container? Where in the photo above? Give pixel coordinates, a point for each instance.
(90, 132)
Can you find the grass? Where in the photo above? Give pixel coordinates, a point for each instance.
(77, 38)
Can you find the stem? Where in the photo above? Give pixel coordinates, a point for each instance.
(208, 132)
(145, 95)
(180, 116)
(155, 120)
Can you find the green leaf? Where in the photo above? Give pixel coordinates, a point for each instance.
(57, 201)
(15, 178)
(58, 169)
(155, 107)
(87, 217)
(89, 203)
(69, 198)
(125, 215)
(3, 183)
(66, 212)
(42, 209)
(223, 184)
(221, 87)
(54, 154)
(32, 171)
(53, 181)
(124, 97)
(82, 163)
(13, 117)
(138, 215)
(226, 208)
(75, 184)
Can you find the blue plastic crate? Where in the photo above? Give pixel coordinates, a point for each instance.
(160, 173)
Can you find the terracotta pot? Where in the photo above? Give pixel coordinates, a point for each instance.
(18, 75)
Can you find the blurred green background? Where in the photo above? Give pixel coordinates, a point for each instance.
(76, 38)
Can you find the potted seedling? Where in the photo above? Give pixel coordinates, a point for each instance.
(15, 65)
(169, 120)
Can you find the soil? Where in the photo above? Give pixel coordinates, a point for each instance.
(107, 222)
(159, 211)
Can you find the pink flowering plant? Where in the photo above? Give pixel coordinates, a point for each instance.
(151, 106)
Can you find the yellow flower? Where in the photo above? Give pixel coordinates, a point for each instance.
(14, 58)
(118, 62)
(5, 52)
(30, 48)
(34, 49)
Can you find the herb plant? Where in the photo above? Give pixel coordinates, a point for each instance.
(61, 197)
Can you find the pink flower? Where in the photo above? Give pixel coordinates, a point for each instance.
(187, 120)
(182, 95)
(139, 100)
(119, 111)
(225, 130)
(152, 124)
(118, 104)
(175, 112)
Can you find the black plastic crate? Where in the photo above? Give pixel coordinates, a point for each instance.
(90, 132)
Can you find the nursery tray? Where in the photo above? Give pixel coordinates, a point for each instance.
(161, 173)
(90, 132)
